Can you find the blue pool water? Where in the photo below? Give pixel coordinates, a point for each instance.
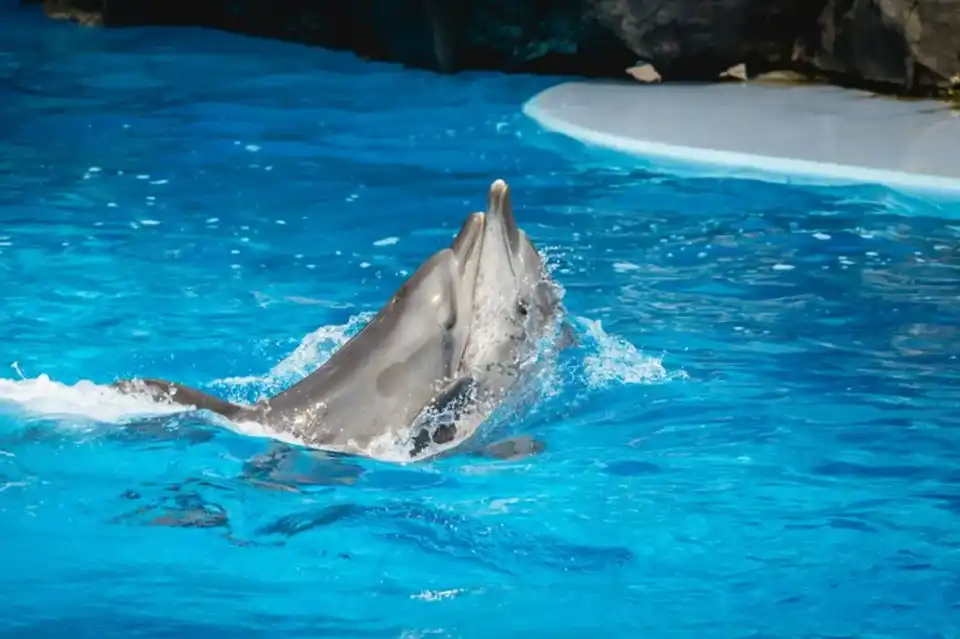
(756, 437)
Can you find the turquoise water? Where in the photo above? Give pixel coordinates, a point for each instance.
(756, 436)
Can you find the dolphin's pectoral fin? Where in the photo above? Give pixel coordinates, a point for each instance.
(161, 390)
(513, 448)
(453, 398)
(439, 422)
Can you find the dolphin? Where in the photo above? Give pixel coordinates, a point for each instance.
(408, 357)
(434, 362)
(516, 307)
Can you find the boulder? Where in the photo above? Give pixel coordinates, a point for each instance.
(700, 39)
(909, 47)
(898, 46)
(904, 46)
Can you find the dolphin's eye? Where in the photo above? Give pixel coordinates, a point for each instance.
(522, 307)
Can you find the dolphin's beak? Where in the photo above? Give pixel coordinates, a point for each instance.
(500, 213)
(468, 244)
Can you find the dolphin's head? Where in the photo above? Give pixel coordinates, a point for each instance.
(512, 305)
(508, 250)
(513, 301)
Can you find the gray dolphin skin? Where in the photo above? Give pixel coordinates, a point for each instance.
(433, 363)
(384, 376)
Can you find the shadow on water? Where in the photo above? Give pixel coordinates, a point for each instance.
(353, 495)
(428, 529)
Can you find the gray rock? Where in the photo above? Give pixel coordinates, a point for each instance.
(897, 46)
(911, 46)
(700, 39)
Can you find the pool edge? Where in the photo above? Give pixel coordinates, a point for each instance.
(761, 167)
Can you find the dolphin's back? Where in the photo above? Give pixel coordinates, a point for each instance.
(383, 377)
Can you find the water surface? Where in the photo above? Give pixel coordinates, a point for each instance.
(756, 437)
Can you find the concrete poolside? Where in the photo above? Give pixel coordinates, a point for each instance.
(813, 132)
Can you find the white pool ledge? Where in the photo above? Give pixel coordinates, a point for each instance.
(821, 133)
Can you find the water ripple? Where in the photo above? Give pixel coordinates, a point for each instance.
(754, 437)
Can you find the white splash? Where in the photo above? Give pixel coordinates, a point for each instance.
(614, 361)
(310, 354)
(44, 397)
(86, 400)
(617, 361)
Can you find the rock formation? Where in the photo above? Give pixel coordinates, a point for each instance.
(909, 47)
(912, 46)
